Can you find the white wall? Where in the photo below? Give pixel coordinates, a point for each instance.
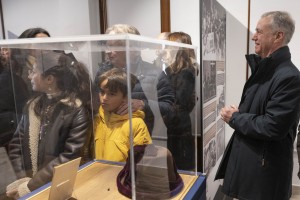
(59, 17)
(236, 49)
(142, 14)
(186, 17)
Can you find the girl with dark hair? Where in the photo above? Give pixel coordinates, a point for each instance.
(55, 123)
(34, 33)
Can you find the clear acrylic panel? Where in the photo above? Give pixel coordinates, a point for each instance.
(118, 99)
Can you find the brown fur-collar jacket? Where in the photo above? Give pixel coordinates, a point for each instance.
(34, 154)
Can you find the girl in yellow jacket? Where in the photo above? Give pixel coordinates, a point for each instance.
(112, 136)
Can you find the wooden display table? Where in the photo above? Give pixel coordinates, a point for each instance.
(97, 180)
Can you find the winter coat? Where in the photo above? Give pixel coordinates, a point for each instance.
(112, 136)
(181, 142)
(34, 155)
(153, 88)
(258, 160)
(14, 94)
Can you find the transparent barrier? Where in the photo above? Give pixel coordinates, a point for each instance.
(120, 99)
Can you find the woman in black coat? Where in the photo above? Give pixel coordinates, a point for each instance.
(182, 76)
(55, 123)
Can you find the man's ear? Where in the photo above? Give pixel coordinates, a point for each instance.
(279, 35)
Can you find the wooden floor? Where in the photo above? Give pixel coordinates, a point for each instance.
(98, 181)
(295, 193)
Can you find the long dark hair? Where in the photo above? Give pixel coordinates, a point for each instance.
(32, 32)
(72, 78)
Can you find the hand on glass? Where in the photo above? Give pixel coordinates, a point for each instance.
(227, 111)
(136, 105)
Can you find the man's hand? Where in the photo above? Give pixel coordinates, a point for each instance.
(136, 105)
(227, 111)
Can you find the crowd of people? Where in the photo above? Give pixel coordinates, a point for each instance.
(54, 115)
(49, 117)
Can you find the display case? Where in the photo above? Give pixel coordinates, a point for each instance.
(128, 105)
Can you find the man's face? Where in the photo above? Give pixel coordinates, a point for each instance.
(264, 38)
(115, 56)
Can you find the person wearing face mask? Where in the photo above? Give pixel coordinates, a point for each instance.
(258, 160)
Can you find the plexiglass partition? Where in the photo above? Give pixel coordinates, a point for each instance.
(124, 99)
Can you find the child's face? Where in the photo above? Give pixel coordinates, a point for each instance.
(110, 101)
(38, 82)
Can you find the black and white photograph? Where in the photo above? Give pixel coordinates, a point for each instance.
(221, 99)
(209, 80)
(209, 156)
(213, 30)
(213, 42)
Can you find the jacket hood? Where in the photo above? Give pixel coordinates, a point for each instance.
(113, 118)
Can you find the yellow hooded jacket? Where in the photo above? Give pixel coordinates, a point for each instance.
(112, 140)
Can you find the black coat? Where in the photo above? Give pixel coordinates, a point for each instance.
(258, 160)
(62, 142)
(181, 141)
(13, 96)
